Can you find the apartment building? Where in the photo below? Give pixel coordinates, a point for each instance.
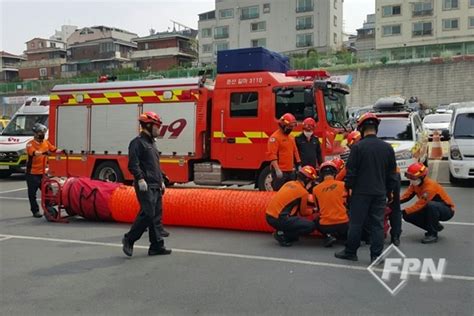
(407, 29)
(289, 26)
(9, 66)
(44, 59)
(98, 49)
(165, 50)
(365, 41)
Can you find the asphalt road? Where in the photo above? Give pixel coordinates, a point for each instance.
(79, 269)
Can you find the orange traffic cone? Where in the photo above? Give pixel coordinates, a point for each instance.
(436, 150)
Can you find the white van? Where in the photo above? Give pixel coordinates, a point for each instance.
(18, 132)
(461, 144)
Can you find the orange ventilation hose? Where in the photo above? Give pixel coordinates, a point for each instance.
(225, 209)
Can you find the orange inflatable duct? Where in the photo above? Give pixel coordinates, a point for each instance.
(103, 201)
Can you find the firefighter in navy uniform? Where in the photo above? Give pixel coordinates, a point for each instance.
(37, 150)
(289, 202)
(370, 169)
(433, 204)
(282, 152)
(144, 165)
(308, 145)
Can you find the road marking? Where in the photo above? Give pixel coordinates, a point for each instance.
(5, 238)
(231, 255)
(15, 198)
(16, 190)
(435, 169)
(458, 223)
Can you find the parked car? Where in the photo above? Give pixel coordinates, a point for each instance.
(461, 144)
(404, 131)
(437, 122)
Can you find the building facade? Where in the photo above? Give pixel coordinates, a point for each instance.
(365, 41)
(411, 29)
(64, 33)
(98, 49)
(9, 66)
(166, 50)
(44, 58)
(290, 26)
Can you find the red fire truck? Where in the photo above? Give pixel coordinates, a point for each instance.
(213, 133)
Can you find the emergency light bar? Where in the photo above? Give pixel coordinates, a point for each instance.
(312, 74)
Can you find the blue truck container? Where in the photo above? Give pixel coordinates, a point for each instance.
(250, 60)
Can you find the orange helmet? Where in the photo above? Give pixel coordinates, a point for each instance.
(368, 119)
(416, 170)
(353, 138)
(150, 117)
(339, 163)
(329, 164)
(309, 122)
(309, 173)
(287, 119)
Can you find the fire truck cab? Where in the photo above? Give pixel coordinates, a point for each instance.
(213, 133)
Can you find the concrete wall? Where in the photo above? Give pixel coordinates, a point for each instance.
(433, 83)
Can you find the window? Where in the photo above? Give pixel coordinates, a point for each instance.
(471, 3)
(304, 40)
(221, 32)
(390, 30)
(304, 5)
(422, 9)
(53, 45)
(450, 4)
(471, 22)
(335, 20)
(258, 26)
(207, 16)
(294, 103)
(222, 46)
(463, 127)
(41, 44)
(335, 4)
(261, 42)
(422, 29)
(391, 10)
(335, 38)
(226, 14)
(395, 129)
(147, 46)
(250, 13)
(206, 33)
(106, 47)
(244, 104)
(304, 22)
(207, 48)
(336, 108)
(21, 125)
(450, 24)
(266, 8)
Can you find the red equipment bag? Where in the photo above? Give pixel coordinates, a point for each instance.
(88, 198)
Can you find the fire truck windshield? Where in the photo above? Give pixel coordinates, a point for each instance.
(297, 101)
(336, 108)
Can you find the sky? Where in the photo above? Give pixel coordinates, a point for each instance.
(23, 20)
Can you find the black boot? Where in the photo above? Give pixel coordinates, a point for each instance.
(158, 251)
(164, 233)
(329, 241)
(395, 240)
(346, 256)
(280, 237)
(439, 227)
(127, 246)
(429, 239)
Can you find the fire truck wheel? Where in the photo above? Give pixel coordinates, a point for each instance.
(108, 171)
(265, 179)
(5, 174)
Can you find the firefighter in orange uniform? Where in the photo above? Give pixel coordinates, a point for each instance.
(289, 202)
(282, 152)
(352, 139)
(37, 150)
(330, 198)
(433, 204)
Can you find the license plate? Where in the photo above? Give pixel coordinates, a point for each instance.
(4, 167)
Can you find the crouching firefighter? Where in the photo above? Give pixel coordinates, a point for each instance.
(144, 165)
(289, 202)
(330, 197)
(433, 204)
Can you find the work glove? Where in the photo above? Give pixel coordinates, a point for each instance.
(278, 173)
(142, 185)
(163, 188)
